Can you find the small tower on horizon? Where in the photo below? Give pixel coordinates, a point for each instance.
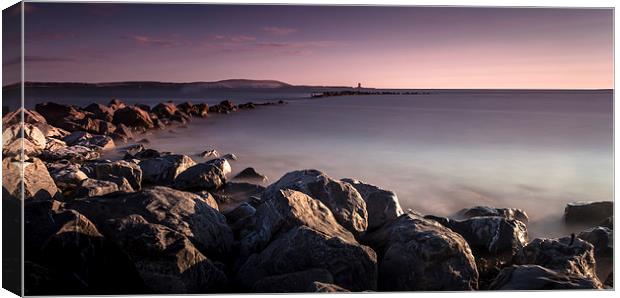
(359, 85)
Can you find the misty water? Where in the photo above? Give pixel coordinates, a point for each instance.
(439, 152)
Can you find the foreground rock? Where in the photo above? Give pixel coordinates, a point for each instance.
(382, 205)
(588, 212)
(283, 211)
(569, 255)
(603, 240)
(76, 154)
(92, 188)
(352, 266)
(166, 260)
(233, 194)
(120, 168)
(37, 182)
(180, 211)
(494, 241)
(165, 169)
(534, 277)
(417, 254)
(72, 255)
(68, 177)
(341, 198)
(133, 116)
(26, 139)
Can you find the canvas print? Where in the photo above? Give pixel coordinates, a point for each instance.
(227, 148)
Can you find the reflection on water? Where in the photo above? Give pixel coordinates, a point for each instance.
(439, 152)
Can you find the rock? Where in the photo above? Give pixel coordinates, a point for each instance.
(588, 212)
(224, 107)
(123, 131)
(120, 168)
(508, 213)
(534, 277)
(295, 282)
(144, 107)
(240, 217)
(284, 210)
(133, 149)
(180, 211)
(494, 241)
(104, 127)
(92, 188)
(165, 259)
(133, 116)
(147, 153)
(208, 198)
(165, 110)
(144, 141)
(250, 175)
(567, 255)
(341, 198)
(121, 182)
(382, 205)
(202, 176)
(229, 156)
(207, 154)
(320, 287)
(422, 255)
(165, 169)
(233, 194)
(78, 258)
(607, 223)
(74, 154)
(37, 183)
(54, 144)
(201, 110)
(67, 176)
(352, 266)
(15, 117)
(222, 163)
(116, 104)
(95, 142)
(60, 115)
(187, 108)
(603, 240)
(100, 111)
(247, 106)
(25, 137)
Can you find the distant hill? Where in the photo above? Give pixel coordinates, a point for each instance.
(223, 84)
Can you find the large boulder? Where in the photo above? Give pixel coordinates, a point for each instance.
(603, 240)
(76, 256)
(165, 110)
(493, 240)
(133, 116)
(116, 104)
(100, 111)
(120, 168)
(534, 277)
(60, 115)
(95, 142)
(295, 282)
(352, 266)
(224, 107)
(165, 169)
(588, 212)
(341, 198)
(569, 255)
(27, 137)
(37, 182)
(15, 117)
(166, 260)
(382, 205)
(184, 212)
(418, 254)
(284, 210)
(203, 176)
(508, 213)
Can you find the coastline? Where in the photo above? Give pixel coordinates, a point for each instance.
(63, 144)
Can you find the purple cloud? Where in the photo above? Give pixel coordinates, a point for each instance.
(17, 60)
(279, 30)
(234, 38)
(148, 41)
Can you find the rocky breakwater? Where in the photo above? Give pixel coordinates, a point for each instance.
(160, 222)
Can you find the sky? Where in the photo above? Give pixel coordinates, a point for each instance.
(383, 47)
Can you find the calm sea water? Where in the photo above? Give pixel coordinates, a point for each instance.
(439, 152)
